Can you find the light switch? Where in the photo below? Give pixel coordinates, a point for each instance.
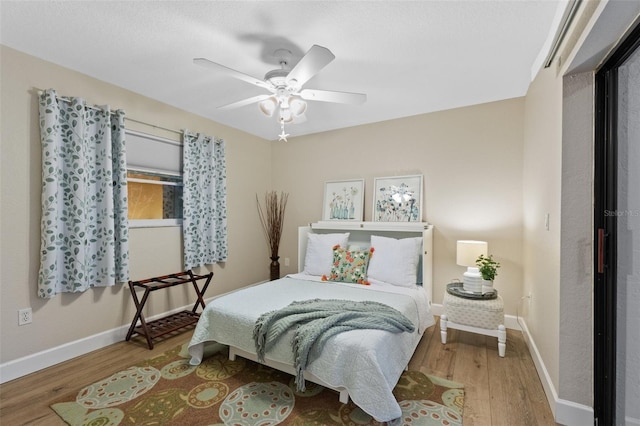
(546, 221)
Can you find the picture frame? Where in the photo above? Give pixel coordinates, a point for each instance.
(343, 200)
(397, 199)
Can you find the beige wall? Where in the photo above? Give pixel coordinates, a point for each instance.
(471, 159)
(541, 196)
(70, 317)
(558, 273)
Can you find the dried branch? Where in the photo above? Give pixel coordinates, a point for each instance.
(272, 218)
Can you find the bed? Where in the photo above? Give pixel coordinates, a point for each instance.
(361, 364)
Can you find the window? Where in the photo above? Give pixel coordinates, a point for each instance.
(154, 196)
(154, 180)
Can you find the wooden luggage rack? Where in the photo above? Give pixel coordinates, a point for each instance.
(170, 323)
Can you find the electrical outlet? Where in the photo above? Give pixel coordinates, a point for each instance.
(530, 297)
(287, 262)
(24, 316)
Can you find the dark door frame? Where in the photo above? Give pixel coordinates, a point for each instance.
(605, 230)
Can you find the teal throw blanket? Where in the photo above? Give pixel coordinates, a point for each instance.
(317, 320)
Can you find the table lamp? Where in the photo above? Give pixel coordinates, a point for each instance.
(467, 251)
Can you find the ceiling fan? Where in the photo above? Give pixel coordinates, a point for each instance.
(287, 97)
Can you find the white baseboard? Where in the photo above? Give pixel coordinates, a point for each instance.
(565, 412)
(545, 378)
(35, 362)
(631, 421)
(572, 414)
(17, 368)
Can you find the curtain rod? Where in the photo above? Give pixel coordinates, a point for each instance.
(98, 108)
(565, 23)
(179, 132)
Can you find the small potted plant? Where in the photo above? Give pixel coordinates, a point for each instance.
(489, 271)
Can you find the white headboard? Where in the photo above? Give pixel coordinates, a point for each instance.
(360, 235)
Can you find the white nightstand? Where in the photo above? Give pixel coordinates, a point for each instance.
(476, 316)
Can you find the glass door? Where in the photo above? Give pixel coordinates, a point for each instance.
(617, 220)
(628, 244)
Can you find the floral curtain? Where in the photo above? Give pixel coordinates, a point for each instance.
(204, 221)
(84, 228)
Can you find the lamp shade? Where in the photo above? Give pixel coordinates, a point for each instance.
(297, 106)
(268, 106)
(467, 251)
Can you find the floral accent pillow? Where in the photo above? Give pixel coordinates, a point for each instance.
(349, 266)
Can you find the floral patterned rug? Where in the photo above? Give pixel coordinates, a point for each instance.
(166, 390)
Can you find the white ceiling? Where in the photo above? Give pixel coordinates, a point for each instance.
(409, 57)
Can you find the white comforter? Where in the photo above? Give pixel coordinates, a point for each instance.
(367, 363)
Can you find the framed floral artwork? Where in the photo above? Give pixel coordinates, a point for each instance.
(397, 199)
(343, 200)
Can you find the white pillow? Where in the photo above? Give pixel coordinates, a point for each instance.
(395, 261)
(319, 256)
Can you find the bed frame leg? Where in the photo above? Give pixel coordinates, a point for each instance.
(232, 354)
(443, 329)
(344, 396)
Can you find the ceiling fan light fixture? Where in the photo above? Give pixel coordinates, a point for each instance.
(297, 106)
(268, 106)
(285, 85)
(285, 115)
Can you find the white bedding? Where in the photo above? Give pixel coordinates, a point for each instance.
(367, 363)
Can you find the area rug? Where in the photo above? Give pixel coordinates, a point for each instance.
(166, 390)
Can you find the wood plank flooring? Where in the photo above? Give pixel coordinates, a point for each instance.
(498, 391)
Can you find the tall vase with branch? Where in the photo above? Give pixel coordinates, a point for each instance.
(272, 218)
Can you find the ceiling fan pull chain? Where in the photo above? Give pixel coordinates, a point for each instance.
(283, 135)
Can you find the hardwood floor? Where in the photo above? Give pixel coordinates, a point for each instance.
(498, 391)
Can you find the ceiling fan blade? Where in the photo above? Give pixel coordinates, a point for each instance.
(203, 62)
(244, 102)
(331, 96)
(311, 63)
